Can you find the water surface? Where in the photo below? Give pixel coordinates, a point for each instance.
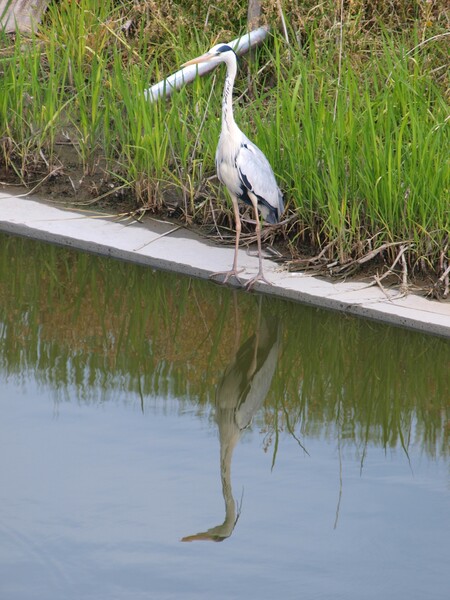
(145, 417)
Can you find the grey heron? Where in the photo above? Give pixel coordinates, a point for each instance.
(241, 166)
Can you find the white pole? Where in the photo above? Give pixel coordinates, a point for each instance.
(187, 74)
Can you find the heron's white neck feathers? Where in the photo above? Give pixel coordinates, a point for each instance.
(228, 121)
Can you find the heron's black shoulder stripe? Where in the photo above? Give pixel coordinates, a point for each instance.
(245, 181)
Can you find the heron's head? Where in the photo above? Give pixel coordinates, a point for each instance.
(219, 53)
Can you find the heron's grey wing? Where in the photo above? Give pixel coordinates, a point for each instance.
(257, 176)
(259, 357)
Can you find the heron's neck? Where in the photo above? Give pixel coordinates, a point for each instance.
(228, 121)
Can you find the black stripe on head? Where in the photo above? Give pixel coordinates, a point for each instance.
(224, 48)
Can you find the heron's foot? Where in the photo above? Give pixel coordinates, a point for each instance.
(259, 277)
(233, 273)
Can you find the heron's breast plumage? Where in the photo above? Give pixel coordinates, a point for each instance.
(247, 174)
(226, 164)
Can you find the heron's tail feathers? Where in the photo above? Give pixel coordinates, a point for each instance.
(271, 214)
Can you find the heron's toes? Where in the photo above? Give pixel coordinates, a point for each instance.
(260, 277)
(227, 275)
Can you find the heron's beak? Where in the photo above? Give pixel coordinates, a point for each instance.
(200, 59)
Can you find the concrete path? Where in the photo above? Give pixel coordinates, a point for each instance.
(171, 248)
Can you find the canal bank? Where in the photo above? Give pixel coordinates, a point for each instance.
(163, 245)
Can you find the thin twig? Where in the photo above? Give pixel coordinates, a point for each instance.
(444, 274)
(283, 23)
(377, 281)
(200, 129)
(404, 285)
(341, 42)
(157, 238)
(53, 172)
(444, 278)
(377, 251)
(422, 43)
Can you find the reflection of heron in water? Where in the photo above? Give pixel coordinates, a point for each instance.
(240, 394)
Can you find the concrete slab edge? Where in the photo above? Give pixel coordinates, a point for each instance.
(417, 313)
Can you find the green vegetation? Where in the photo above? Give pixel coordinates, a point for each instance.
(354, 119)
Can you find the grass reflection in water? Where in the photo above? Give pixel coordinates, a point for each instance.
(104, 326)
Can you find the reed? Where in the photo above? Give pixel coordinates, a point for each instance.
(366, 161)
(355, 126)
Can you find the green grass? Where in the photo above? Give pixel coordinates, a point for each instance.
(375, 169)
(358, 140)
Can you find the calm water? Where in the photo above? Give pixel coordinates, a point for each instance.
(146, 417)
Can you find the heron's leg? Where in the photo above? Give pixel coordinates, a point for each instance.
(237, 218)
(234, 270)
(260, 274)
